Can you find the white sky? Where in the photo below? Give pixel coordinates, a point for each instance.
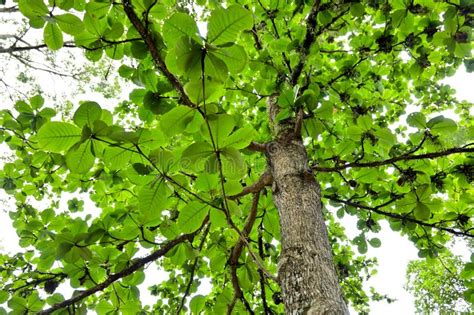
(393, 255)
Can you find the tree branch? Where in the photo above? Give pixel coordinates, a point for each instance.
(397, 216)
(9, 9)
(237, 251)
(193, 270)
(137, 264)
(152, 48)
(431, 155)
(255, 146)
(308, 40)
(264, 180)
(15, 48)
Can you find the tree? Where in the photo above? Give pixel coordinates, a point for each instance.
(247, 138)
(437, 286)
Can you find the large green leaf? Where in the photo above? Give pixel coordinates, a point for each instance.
(176, 120)
(177, 26)
(80, 159)
(154, 196)
(188, 54)
(58, 136)
(234, 57)
(194, 89)
(442, 126)
(225, 24)
(240, 139)
(69, 23)
(197, 304)
(52, 35)
(417, 120)
(191, 216)
(32, 8)
(421, 211)
(87, 113)
(220, 126)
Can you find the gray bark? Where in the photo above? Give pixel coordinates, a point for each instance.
(306, 271)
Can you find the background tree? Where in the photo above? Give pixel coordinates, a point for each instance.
(437, 285)
(269, 94)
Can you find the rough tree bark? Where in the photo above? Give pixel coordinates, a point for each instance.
(306, 271)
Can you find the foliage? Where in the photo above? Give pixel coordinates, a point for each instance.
(186, 182)
(437, 285)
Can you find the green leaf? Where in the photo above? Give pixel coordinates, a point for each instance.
(117, 158)
(220, 126)
(421, 211)
(69, 23)
(80, 160)
(233, 165)
(32, 8)
(197, 304)
(3, 296)
(375, 242)
(240, 139)
(176, 120)
(194, 89)
(177, 26)
(225, 24)
(417, 120)
(188, 54)
(53, 37)
(357, 9)
(87, 113)
(196, 155)
(234, 57)
(154, 196)
(58, 137)
(442, 126)
(191, 216)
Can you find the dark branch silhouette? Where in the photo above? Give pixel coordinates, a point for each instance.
(397, 216)
(431, 155)
(234, 257)
(136, 265)
(152, 48)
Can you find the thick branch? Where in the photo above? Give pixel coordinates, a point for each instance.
(397, 216)
(152, 48)
(255, 146)
(264, 180)
(136, 265)
(431, 155)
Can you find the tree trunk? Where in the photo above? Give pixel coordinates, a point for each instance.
(306, 270)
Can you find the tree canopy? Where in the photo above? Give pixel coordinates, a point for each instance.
(179, 171)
